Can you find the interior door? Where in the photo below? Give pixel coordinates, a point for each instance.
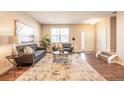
(88, 40)
(104, 39)
(101, 39)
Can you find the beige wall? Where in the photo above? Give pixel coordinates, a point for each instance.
(120, 35)
(108, 24)
(101, 42)
(113, 34)
(7, 28)
(75, 30)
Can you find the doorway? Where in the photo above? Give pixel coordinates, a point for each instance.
(88, 40)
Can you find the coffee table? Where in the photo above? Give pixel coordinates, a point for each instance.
(60, 56)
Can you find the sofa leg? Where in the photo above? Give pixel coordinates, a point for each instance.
(32, 64)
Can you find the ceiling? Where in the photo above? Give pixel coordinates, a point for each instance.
(69, 17)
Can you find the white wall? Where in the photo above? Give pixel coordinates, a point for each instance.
(7, 28)
(101, 42)
(120, 35)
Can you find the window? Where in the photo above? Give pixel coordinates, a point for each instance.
(59, 35)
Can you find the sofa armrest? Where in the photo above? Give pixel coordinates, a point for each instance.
(25, 58)
(98, 53)
(40, 48)
(71, 48)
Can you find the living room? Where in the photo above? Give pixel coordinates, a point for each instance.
(89, 33)
(61, 46)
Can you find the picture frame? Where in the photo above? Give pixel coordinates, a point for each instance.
(24, 32)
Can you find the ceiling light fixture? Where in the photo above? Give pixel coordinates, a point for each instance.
(92, 21)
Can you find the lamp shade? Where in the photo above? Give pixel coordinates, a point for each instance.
(13, 40)
(73, 38)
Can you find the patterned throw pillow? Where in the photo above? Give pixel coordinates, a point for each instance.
(28, 50)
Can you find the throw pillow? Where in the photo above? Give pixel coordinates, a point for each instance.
(28, 50)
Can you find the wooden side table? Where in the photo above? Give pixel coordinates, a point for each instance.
(12, 60)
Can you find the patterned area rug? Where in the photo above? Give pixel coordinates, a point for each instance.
(76, 69)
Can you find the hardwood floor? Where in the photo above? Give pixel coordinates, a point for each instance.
(112, 72)
(9, 76)
(108, 71)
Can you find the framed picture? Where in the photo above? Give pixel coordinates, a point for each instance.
(24, 32)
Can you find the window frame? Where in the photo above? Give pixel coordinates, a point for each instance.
(60, 35)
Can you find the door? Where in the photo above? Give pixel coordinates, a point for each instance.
(101, 40)
(104, 39)
(88, 40)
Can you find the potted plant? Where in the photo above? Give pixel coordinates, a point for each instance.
(45, 42)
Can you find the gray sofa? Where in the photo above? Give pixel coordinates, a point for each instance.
(30, 58)
(66, 47)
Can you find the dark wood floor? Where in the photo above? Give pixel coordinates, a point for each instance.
(13, 73)
(111, 72)
(114, 72)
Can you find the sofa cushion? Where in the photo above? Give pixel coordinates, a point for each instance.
(66, 49)
(28, 50)
(107, 53)
(39, 52)
(33, 46)
(66, 45)
(20, 49)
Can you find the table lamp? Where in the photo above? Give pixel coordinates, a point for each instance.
(14, 40)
